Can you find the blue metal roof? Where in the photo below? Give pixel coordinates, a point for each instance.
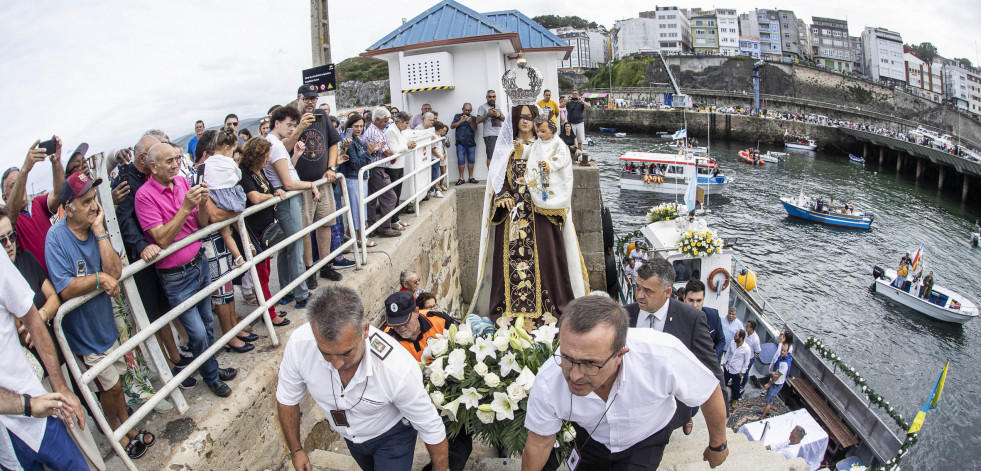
(533, 35)
(445, 20)
(451, 20)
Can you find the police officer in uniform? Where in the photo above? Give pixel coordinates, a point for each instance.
(413, 328)
(370, 389)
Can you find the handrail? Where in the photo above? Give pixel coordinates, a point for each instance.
(147, 330)
(364, 199)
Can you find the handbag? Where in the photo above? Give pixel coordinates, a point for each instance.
(271, 235)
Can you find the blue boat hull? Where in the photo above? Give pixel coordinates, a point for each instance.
(829, 219)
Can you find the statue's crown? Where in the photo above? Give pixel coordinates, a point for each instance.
(522, 96)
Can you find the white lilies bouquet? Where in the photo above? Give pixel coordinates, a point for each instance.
(481, 383)
(695, 243)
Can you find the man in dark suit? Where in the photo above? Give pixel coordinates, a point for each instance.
(695, 297)
(658, 309)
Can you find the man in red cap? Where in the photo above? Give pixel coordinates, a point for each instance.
(32, 219)
(81, 259)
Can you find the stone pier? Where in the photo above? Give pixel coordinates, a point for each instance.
(919, 168)
(965, 191)
(882, 156)
(899, 162)
(940, 179)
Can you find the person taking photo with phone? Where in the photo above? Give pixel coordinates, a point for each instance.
(32, 220)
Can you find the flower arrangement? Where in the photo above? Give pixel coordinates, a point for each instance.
(696, 243)
(873, 397)
(480, 383)
(663, 212)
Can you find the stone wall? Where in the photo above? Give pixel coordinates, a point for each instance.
(355, 94)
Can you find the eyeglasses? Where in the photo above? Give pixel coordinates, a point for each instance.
(527, 117)
(586, 368)
(9, 238)
(309, 98)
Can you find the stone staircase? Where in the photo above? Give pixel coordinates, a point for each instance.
(683, 453)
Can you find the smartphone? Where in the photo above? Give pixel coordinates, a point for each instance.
(123, 173)
(348, 133)
(317, 117)
(199, 175)
(49, 146)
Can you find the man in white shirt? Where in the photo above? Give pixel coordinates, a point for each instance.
(618, 387)
(790, 448)
(731, 325)
(753, 340)
(32, 432)
(370, 388)
(736, 364)
(778, 376)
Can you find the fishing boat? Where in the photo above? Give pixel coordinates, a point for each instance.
(864, 434)
(608, 130)
(856, 159)
(771, 157)
(799, 142)
(751, 156)
(939, 303)
(670, 174)
(817, 210)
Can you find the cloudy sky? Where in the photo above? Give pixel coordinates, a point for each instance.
(104, 71)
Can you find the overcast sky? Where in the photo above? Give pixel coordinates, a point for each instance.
(105, 71)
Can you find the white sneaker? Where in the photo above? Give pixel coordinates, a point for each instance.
(438, 194)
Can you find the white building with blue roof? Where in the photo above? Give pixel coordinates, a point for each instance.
(451, 54)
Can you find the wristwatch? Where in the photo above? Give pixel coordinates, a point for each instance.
(332, 169)
(719, 448)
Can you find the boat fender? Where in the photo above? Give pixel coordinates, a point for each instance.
(630, 248)
(725, 284)
(647, 179)
(903, 271)
(612, 280)
(747, 279)
(878, 272)
(608, 234)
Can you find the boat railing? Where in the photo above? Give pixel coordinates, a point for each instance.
(145, 338)
(856, 411)
(413, 166)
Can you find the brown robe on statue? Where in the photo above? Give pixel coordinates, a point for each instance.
(530, 271)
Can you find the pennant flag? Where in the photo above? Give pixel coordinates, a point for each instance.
(916, 258)
(692, 190)
(932, 401)
(682, 134)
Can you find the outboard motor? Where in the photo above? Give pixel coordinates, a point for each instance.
(878, 272)
(870, 215)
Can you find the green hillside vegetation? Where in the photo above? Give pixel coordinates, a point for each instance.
(361, 69)
(553, 21)
(628, 72)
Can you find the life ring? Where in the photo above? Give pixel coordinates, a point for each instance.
(711, 277)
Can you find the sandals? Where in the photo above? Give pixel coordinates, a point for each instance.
(143, 435)
(473, 180)
(460, 182)
(369, 244)
(400, 226)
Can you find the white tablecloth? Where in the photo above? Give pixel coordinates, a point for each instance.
(813, 445)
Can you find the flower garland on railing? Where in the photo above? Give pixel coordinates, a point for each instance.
(663, 212)
(873, 397)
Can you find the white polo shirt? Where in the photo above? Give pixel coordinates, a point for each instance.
(16, 299)
(657, 369)
(388, 377)
(753, 340)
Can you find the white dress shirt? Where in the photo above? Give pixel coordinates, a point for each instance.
(737, 358)
(787, 450)
(753, 340)
(16, 374)
(654, 320)
(730, 328)
(380, 394)
(657, 369)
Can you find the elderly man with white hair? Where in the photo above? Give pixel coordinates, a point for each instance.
(378, 178)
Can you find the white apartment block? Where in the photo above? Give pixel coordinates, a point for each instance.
(883, 54)
(924, 79)
(728, 23)
(633, 36)
(963, 87)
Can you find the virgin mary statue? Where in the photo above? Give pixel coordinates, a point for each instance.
(529, 260)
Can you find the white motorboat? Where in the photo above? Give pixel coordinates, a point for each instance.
(943, 304)
(799, 142)
(670, 173)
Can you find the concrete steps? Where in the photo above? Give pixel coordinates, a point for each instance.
(683, 453)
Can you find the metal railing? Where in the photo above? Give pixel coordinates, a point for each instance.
(146, 332)
(363, 199)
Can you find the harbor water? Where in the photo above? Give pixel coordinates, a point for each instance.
(819, 277)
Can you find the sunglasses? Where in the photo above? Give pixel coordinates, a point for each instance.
(9, 238)
(233, 123)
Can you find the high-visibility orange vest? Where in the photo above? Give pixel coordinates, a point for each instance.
(431, 324)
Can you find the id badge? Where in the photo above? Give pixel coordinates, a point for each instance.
(340, 418)
(573, 460)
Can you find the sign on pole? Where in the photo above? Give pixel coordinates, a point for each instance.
(322, 77)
